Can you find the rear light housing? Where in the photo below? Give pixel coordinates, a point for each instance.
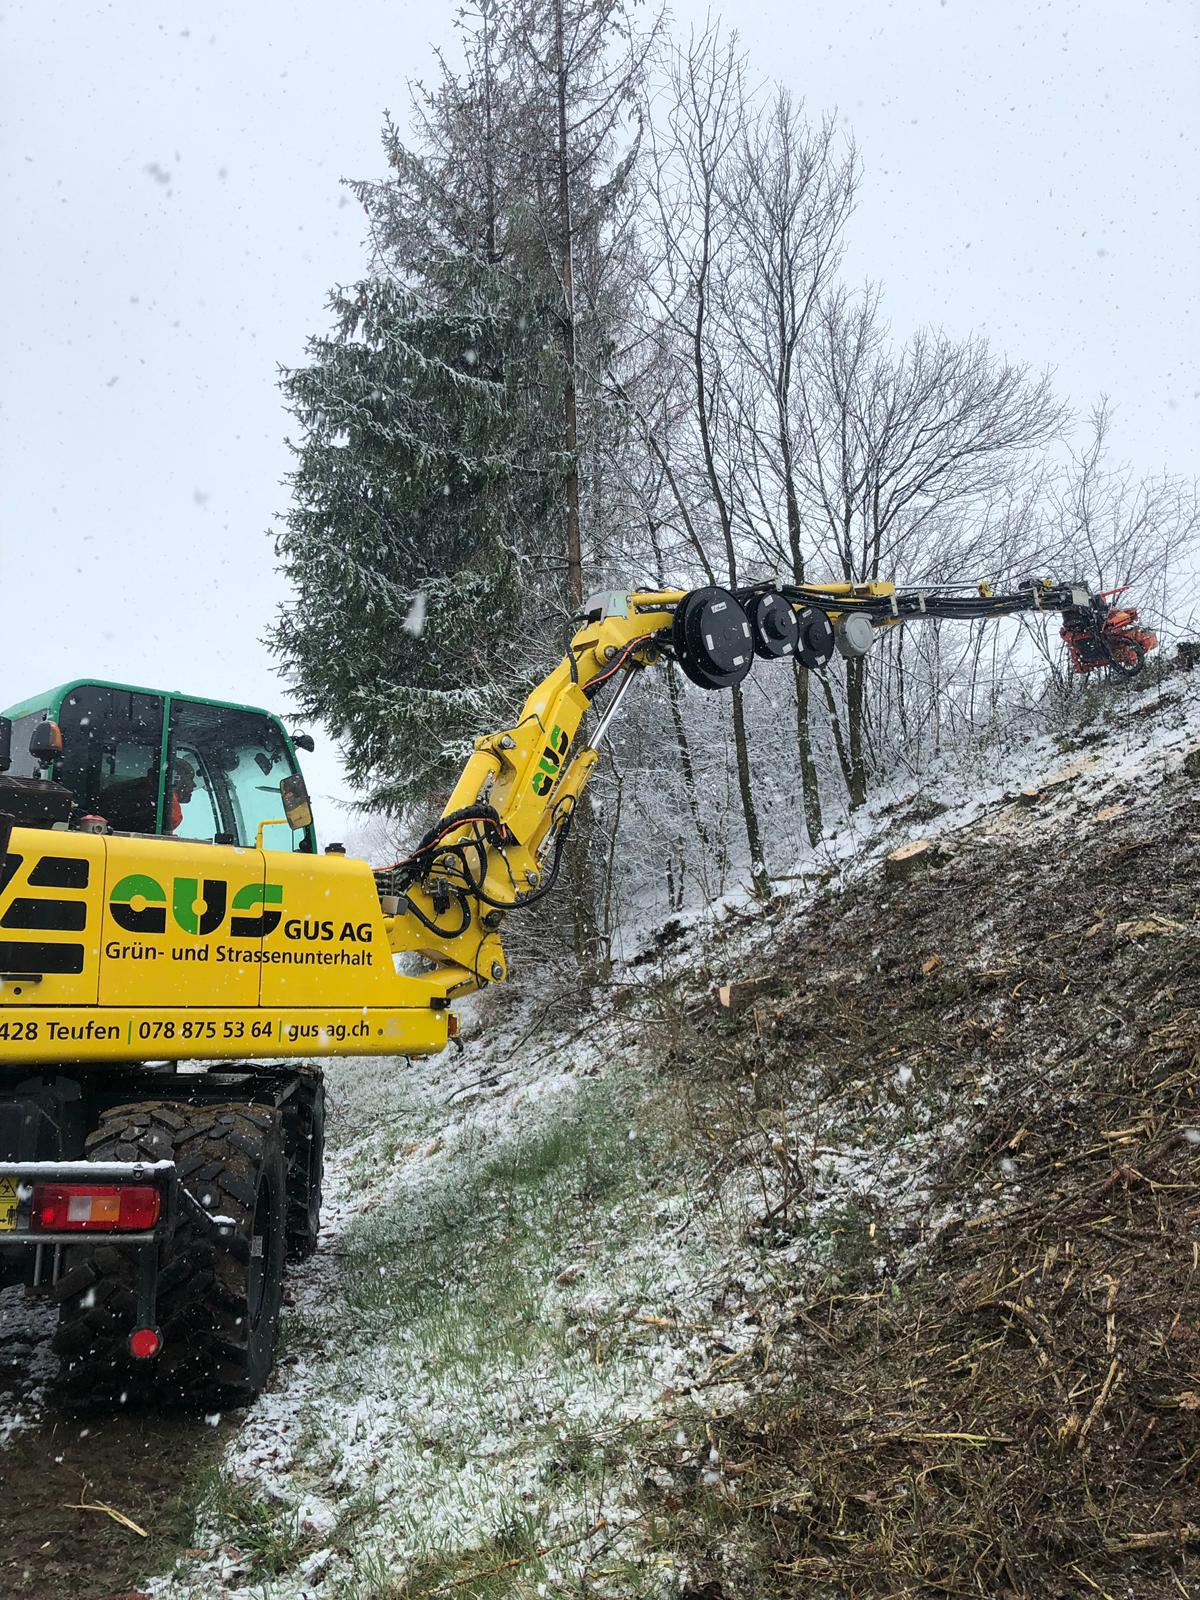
(145, 1343)
(94, 1208)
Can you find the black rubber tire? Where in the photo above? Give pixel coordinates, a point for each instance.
(304, 1149)
(220, 1284)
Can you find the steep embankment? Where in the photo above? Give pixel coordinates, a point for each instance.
(884, 1282)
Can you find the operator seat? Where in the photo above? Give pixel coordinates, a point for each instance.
(131, 804)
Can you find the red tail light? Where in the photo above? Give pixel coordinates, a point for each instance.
(94, 1208)
(144, 1343)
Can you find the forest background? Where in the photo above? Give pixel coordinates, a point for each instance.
(604, 339)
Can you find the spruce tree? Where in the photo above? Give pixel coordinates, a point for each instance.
(422, 455)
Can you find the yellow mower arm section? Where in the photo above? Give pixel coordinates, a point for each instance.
(497, 845)
(530, 777)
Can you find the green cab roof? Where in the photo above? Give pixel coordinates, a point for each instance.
(53, 698)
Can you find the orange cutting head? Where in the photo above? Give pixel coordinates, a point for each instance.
(1103, 636)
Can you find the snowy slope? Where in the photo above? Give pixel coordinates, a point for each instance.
(526, 1279)
(391, 1450)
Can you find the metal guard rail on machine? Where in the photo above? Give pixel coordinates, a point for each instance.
(498, 845)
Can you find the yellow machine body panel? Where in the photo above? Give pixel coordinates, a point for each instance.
(51, 910)
(167, 926)
(116, 948)
(329, 946)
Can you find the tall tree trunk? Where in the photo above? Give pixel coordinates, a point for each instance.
(567, 271)
(810, 787)
(584, 831)
(489, 144)
(686, 764)
(741, 745)
(839, 738)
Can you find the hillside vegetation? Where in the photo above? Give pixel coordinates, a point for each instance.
(884, 1281)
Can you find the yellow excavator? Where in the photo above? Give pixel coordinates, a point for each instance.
(175, 952)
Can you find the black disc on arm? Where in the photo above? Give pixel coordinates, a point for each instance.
(712, 639)
(773, 625)
(815, 649)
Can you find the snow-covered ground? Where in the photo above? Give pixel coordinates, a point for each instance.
(526, 1276)
(483, 1418)
(454, 1382)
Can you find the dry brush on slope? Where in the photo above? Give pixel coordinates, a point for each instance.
(981, 1375)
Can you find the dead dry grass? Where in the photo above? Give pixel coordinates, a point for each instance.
(993, 1390)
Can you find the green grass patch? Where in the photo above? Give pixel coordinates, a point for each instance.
(266, 1533)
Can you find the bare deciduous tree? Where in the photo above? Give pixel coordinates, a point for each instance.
(901, 441)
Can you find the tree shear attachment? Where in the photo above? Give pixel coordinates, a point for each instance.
(1101, 635)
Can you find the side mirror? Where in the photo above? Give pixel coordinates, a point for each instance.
(304, 741)
(296, 805)
(45, 742)
(5, 744)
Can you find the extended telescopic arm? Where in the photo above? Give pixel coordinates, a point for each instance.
(498, 844)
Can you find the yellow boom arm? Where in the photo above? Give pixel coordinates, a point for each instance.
(452, 895)
(496, 846)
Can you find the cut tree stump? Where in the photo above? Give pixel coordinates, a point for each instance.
(735, 997)
(918, 856)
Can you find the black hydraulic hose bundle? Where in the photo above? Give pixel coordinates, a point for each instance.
(933, 602)
(435, 854)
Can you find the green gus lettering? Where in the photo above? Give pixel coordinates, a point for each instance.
(551, 763)
(150, 915)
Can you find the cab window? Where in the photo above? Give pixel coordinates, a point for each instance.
(225, 769)
(23, 764)
(112, 745)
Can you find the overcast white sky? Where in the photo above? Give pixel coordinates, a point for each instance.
(172, 220)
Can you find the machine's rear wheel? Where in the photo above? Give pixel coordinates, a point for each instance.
(220, 1281)
(304, 1147)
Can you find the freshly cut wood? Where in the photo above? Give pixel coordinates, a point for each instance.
(1155, 926)
(735, 997)
(1048, 787)
(912, 858)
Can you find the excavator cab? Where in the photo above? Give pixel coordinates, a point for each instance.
(147, 761)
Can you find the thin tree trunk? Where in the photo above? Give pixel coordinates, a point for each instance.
(584, 831)
(741, 745)
(810, 788)
(489, 165)
(835, 722)
(686, 764)
(610, 899)
(856, 686)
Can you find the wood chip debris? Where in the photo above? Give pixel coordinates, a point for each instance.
(1155, 926)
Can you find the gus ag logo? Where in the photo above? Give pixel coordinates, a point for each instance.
(550, 765)
(139, 904)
